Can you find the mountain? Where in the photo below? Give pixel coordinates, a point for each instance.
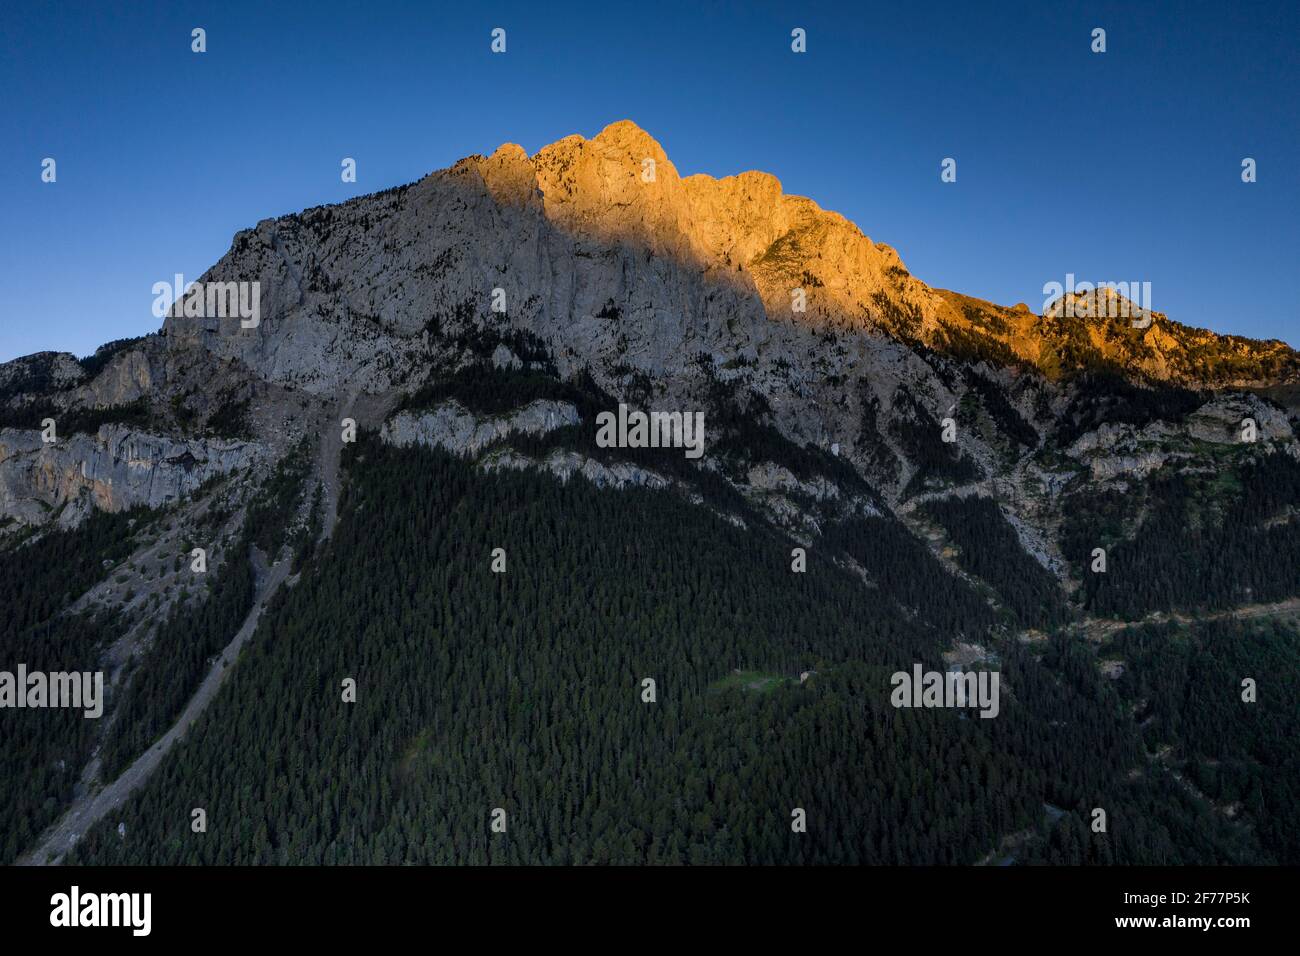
(950, 466)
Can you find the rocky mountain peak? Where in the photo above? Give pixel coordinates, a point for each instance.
(814, 266)
(621, 187)
(636, 143)
(604, 253)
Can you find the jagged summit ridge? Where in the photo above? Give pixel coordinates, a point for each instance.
(620, 186)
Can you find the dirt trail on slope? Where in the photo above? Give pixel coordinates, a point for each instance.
(89, 808)
(369, 411)
(1098, 629)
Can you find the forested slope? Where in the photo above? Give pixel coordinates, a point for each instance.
(522, 691)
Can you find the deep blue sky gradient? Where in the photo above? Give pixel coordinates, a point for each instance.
(1120, 166)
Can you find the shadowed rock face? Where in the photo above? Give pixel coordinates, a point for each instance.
(452, 427)
(113, 470)
(40, 372)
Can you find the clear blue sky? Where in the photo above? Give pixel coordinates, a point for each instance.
(1124, 165)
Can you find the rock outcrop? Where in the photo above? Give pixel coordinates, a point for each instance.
(113, 470)
(451, 426)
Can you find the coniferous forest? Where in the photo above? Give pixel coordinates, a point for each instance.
(523, 691)
(45, 749)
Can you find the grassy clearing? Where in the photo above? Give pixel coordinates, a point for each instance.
(757, 681)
